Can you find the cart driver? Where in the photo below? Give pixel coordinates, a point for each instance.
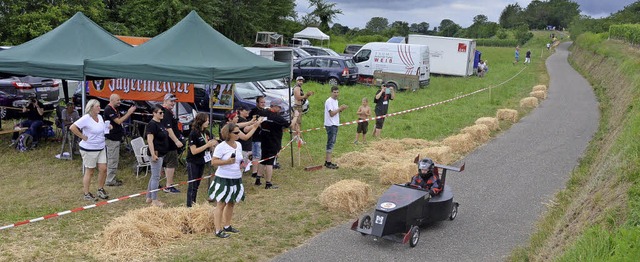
(427, 177)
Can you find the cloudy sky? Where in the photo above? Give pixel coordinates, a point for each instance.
(356, 13)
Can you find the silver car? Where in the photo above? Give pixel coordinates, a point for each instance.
(277, 88)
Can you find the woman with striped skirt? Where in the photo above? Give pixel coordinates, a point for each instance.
(227, 189)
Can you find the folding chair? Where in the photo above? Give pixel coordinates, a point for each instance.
(142, 159)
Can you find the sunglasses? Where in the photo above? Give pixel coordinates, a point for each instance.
(159, 112)
(236, 132)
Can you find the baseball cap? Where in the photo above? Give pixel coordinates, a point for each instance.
(277, 102)
(299, 78)
(170, 96)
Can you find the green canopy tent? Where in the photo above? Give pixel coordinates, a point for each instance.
(61, 52)
(189, 52)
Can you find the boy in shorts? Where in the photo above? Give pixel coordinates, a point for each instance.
(364, 112)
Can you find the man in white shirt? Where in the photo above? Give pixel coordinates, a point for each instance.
(331, 123)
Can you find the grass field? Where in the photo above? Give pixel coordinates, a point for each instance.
(35, 184)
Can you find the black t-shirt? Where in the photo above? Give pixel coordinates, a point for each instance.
(246, 145)
(198, 139)
(110, 114)
(382, 104)
(257, 137)
(168, 121)
(160, 137)
(272, 129)
(32, 111)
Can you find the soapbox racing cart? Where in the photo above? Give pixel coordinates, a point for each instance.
(403, 209)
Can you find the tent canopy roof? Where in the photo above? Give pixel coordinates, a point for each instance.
(60, 53)
(189, 52)
(313, 33)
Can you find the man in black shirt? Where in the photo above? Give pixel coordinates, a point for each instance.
(34, 111)
(113, 117)
(175, 137)
(271, 133)
(256, 144)
(382, 98)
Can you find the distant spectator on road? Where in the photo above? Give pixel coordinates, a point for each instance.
(382, 98)
(364, 112)
(113, 117)
(331, 122)
(548, 46)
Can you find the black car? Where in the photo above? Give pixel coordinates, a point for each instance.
(330, 69)
(7, 102)
(46, 89)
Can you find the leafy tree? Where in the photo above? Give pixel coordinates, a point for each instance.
(628, 15)
(522, 34)
(448, 28)
(310, 20)
(511, 16)
(421, 28)
(326, 12)
(480, 19)
(339, 29)
(562, 12)
(399, 28)
(377, 24)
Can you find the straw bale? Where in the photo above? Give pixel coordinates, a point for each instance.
(439, 154)
(416, 143)
(529, 102)
(397, 173)
(479, 132)
(491, 122)
(358, 160)
(152, 227)
(539, 88)
(539, 94)
(460, 143)
(389, 146)
(347, 195)
(507, 114)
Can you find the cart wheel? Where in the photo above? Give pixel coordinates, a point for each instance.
(365, 223)
(454, 212)
(415, 236)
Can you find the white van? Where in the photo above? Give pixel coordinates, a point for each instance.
(395, 58)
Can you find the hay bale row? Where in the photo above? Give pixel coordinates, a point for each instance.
(360, 160)
(479, 133)
(439, 154)
(397, 172)
(347, 195)
(460, 143)
(539, 88)
(507, 114)
(529, 102)
(151, 227)
(491, 122)
(539, 94)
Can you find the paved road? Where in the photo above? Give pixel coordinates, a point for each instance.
(502, 191)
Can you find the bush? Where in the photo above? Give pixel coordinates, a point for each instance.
(497, 42)
(626, 32)
(369, 38)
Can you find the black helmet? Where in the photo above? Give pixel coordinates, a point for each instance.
(425, 164)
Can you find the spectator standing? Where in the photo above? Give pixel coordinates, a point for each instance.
(158, 141)
(256, 143)
(527, 57)
(517, 55)
(70, 115)
(271, 134)
(482, 68)
(382, 98)
(91, 128)
(548, 46)
(331, 122)
(35, 116)
(247, 128)
(198, 154)
(227, 188)
(113, 117)
(364, 112)
(171, 124)
(300, 98)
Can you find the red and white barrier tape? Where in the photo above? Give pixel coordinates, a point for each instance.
(102, 203)
(418, 108)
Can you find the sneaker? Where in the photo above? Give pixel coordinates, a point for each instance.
(89, 196)
(276, 166)
(254, 175)
(114, 183)
(270, 186)
(172, 190)
(257, 183)
(330, 165)
(222, 234)
(102, 194)
(355, 142)
(230, 229)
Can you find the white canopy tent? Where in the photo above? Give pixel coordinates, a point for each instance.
(313, 33)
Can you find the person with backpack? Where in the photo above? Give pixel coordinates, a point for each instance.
(91, 129)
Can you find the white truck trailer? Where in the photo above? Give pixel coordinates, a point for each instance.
(448, 55)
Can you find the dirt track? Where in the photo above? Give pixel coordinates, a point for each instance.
(503, 189)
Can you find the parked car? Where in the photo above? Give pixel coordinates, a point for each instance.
(298, 53)
(46, 89)
(244, 94)
(278, 88)
(330, 69)
(350, 50)
(144, 110)
(296, 42)
(319, 51)
(8, 100)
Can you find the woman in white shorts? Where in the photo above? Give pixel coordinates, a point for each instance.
(91, 128)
